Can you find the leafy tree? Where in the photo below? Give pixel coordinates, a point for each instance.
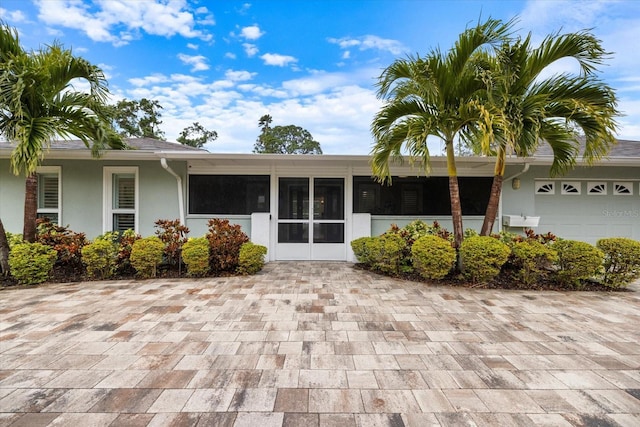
(284, 139)
(137, 119)
(521, 109)
(196, 135)
(435, 95)
(38, 104)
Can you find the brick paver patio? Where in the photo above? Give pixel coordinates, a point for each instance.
(316, 344)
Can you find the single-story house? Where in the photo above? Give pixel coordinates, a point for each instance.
(309, 207)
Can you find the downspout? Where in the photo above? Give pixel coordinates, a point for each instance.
(164, 164)
(526, 168)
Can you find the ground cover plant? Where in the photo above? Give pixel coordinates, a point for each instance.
(506, 260)
(62, 255)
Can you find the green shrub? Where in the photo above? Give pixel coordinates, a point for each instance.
(531, 260)
(360, 250)
(100, 258)
(251, 259)
(577, 261)
(418, 228)
(412, 232)
(225, 240)
(124, 242)
(621, 260)
(31, 263)
(386, 252)
(146, 254)
(68, 244)
(433, 257)
(14, 239)
(195, 254)
(483, 257)
(173, 235)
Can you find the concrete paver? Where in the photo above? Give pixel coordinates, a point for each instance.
(316, 344)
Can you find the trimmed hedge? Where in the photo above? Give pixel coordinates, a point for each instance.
(433, 257)
(621, 261)
(146, 254)
(195, 254)
(532, 260)
(100, 258)
(386, 252)
(361, 248)
(31, 263)
(251, 259)
(483, 257)
(577, 261)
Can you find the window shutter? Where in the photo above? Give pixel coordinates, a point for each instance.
(125, 192)
(48, 191)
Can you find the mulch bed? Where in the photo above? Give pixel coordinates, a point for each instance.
(502, 282)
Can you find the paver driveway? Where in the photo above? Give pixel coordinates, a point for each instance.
(307, 344)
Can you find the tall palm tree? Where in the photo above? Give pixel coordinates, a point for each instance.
(434, 95)
(38, 104)
(523, 110)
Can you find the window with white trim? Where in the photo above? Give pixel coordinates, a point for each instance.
(545, 187)
(623, 188)
(597, 188)
(49, 193)
(571, 188)
(120, 198)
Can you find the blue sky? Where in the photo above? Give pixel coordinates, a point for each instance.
(308, 63)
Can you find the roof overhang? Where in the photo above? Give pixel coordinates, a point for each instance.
(305, 160)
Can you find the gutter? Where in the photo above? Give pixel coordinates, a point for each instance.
(163, 163)
(524, 170)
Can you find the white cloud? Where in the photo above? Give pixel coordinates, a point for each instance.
(316, 83)
(238, 76)
(197, 62)
(192, 46)
(153, 79)
(116, 21)
(335, 108)
(14, 16)
(251, 33)
(368, 42)
(250, 49)
(277, 59)
(208, 19)
(629, 124)
(230, 55)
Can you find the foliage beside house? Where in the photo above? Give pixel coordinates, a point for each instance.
(62, 255)
(423, 252)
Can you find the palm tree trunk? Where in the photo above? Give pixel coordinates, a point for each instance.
(456, 210)
(492, 206)
(30, 208)
(496, 191)
(454, 195)
(4, 251)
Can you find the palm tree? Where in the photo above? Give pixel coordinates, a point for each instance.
(435, 95)
(522, 109)
(38, 104)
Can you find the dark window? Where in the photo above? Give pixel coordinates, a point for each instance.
(293, 232)
(328, 232)
(419, 195)
(228, 194)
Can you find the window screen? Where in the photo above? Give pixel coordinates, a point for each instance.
(228, 194)
(419, 195)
